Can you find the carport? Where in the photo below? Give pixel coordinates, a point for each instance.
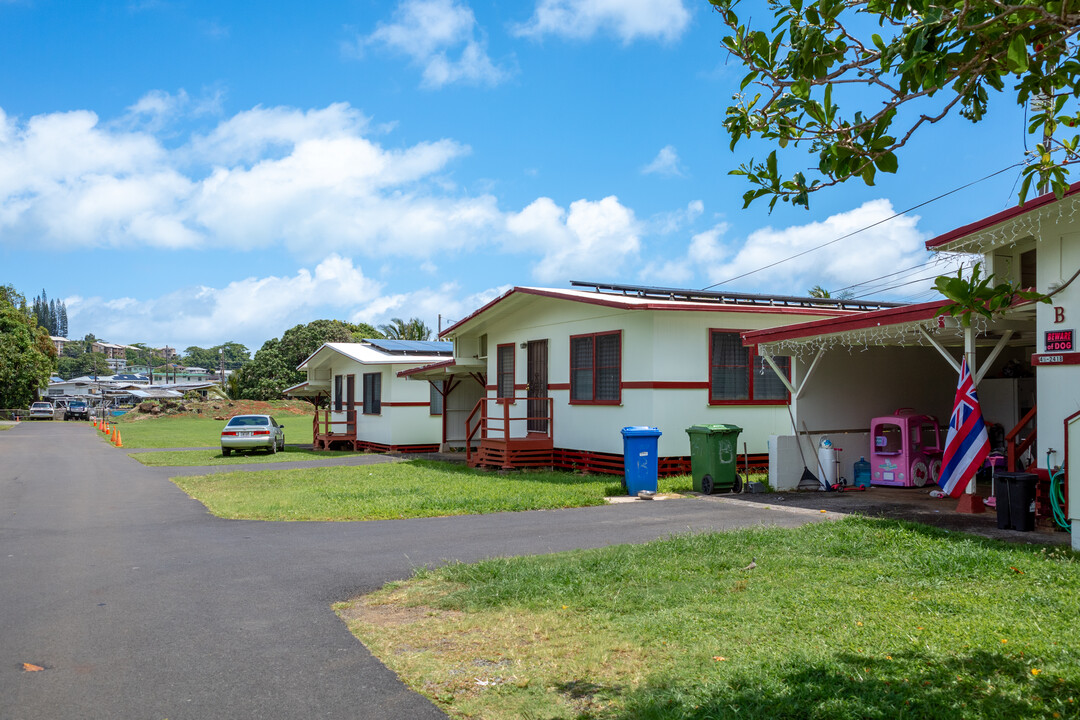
(846, 371)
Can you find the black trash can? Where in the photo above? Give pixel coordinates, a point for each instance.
(1015, 500)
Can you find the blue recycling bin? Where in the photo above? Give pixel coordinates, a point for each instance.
(639, 458)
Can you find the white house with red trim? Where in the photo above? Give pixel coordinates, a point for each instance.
(368, 405)
(549, 377)
(848, 370)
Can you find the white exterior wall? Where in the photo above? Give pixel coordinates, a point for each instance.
(396, 424)
(459, 403)
(848, 389)
(1058, 387)
(657, 346)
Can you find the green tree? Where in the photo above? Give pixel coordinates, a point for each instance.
(27, 355)
(931, 58)
(414, 329)
(235, 356)
(274, 366)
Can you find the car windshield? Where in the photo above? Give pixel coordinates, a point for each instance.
(40, 406)
(77, 405)
(242, 420)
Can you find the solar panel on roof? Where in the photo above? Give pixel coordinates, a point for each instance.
(424, 347)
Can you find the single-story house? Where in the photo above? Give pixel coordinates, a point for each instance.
(549, 377)
(369, 407)
(1025, 361)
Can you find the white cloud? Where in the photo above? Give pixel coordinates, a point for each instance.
(673, 221)
(595, 239)
(308, 180)
(430, 32)
(428, 304)
(250, 310)
(874, 252)
(627, 20)
(665, 163)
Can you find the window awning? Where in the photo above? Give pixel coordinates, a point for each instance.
(308, 389)
(445, 369)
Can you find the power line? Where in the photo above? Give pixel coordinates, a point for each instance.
(929, 261)
(903, 284)
(856, 232)
(879, 284)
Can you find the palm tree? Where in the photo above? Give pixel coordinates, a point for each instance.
(819, 292)
(398, 329)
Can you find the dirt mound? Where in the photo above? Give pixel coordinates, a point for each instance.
(221, 409)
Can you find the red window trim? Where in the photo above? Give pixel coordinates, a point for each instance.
(751, 360)
(617, 401)
(505, 399)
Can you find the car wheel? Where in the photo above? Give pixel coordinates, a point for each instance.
(226, 451)
(273, 447)
(282, 446)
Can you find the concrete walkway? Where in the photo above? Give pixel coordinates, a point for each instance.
(140, 604)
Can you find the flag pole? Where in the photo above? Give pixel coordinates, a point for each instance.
(970, 503)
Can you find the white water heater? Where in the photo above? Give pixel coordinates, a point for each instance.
(827, 461)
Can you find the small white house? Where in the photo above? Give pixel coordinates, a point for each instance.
(549, 377)
(368, 406)
(1025, 362)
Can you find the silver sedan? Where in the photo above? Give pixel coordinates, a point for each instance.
(248, 432)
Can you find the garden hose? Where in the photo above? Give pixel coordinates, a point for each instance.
(1057, 500)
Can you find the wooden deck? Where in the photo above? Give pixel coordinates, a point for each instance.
(501, 454)
(344, 438)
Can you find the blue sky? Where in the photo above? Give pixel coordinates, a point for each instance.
(190, 173)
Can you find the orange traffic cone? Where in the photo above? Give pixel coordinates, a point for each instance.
(94, 421)
(119, 441)
(112, 435)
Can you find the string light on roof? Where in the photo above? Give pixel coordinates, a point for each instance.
(1023, 227)
(879, 336)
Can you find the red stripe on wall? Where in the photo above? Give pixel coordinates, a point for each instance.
(558, 386)
(406, 404)
(666, 385)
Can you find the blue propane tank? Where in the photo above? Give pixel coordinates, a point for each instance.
(862, 473)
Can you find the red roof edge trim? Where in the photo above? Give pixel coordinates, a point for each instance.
(614, 302)
(1009, 214)
(432, 366)
(874, 318)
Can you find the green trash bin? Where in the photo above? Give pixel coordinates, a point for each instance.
(713, 453)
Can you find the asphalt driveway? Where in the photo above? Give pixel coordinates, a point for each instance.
(140, 604)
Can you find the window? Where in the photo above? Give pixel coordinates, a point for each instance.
(738, 376)
(436, 398)
(504, 372)
(338, 394)
(372, 393)
(596, 368)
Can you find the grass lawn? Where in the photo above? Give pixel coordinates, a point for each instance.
(170, 432)
(190, 458)
(410, 489)
(860, 618)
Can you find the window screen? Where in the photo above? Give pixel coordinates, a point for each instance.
(767, 385)
(338, 398)
(608, 366)
(505, 372)
(730, 368)
(581, 368)
(736, 373)
(436, 398)
(596, 367)
(372, 393)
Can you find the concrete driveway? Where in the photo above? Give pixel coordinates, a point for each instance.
(140, 604)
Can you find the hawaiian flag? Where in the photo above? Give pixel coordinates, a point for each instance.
(967, 444)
